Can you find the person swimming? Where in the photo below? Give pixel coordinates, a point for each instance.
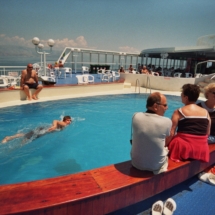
(40, 131)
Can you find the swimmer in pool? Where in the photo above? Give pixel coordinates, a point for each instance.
(40, 131)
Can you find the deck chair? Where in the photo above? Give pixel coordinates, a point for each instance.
(88, 78)
(177, 74)
(107, 76)
(188, 75)
(85, 69)
(81, 80)
(115, 75)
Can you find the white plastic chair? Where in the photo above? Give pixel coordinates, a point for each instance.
(85, 69)
(115, 75)
(67, 70)
(107, 76)
(155, 73)
(198, 75)
(4, 82)
(177, 74)
(88, 78)
(81, 80)
(188, 75)
(85, 79)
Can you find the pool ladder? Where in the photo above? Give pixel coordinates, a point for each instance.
(137, 82)
(148, 85)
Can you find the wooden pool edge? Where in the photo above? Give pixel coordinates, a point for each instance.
(98, 191)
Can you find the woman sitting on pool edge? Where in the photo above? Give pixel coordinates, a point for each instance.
(209, 105)
(193, 127)
(40, 131)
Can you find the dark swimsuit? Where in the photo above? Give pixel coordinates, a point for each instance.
(32, 86)
(38, 132)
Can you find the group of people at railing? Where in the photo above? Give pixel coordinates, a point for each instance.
(159, 71)
(156, 139)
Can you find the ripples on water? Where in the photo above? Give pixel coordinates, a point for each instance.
(99, 135)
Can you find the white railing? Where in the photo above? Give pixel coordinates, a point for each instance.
(11, 70)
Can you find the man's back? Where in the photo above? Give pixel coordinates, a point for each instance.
(148, 144)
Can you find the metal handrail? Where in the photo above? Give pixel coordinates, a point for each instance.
(148, 83)
(137, 81)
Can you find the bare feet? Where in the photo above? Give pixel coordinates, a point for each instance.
(34, 97)
(5, 140)
(29, 98)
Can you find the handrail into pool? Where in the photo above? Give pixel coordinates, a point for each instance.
(137, 82)
(98, 191)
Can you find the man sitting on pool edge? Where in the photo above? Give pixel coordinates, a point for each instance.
(29, 80)
(40, 131)
(150, 130)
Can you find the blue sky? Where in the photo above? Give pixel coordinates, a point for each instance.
(119, 25)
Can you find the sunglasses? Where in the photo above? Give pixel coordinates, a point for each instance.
(165, 105)
(30, 67)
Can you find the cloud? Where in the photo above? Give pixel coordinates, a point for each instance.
(129, 49)
(79, 42)
(16, 40)
(59, 43)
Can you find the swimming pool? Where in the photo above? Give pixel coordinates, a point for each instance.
(98, 136)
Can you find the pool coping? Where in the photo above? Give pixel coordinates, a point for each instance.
(16, 97)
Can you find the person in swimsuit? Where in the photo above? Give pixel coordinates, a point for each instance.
(209, 105)
(193, 127)
(145, 70)
(29, 80)
(40, 131)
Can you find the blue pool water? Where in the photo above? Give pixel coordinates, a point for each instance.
(98, 136)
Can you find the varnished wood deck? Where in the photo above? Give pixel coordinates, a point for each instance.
(97, 191)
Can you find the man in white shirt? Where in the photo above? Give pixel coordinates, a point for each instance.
(150, 130)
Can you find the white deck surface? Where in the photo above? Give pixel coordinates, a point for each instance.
(114, 92)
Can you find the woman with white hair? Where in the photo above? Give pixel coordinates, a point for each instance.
(209, 105)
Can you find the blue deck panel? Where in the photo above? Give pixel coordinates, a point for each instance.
(71, 79)
(193, 197)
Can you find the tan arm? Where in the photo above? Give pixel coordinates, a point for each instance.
(57, 124)
(175, 119)
(35, 77)
(209, 126)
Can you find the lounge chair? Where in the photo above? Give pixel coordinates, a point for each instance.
(85, 69)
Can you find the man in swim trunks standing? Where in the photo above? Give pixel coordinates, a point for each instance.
(150, 130)
(29, 80)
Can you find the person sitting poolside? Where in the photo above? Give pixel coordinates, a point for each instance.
(193, 127)
(60, 64)
(150, 129)
(209, 105)
(40, 131)
(130, 69)
(122, 69)
(145, 71)
(29, 80)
